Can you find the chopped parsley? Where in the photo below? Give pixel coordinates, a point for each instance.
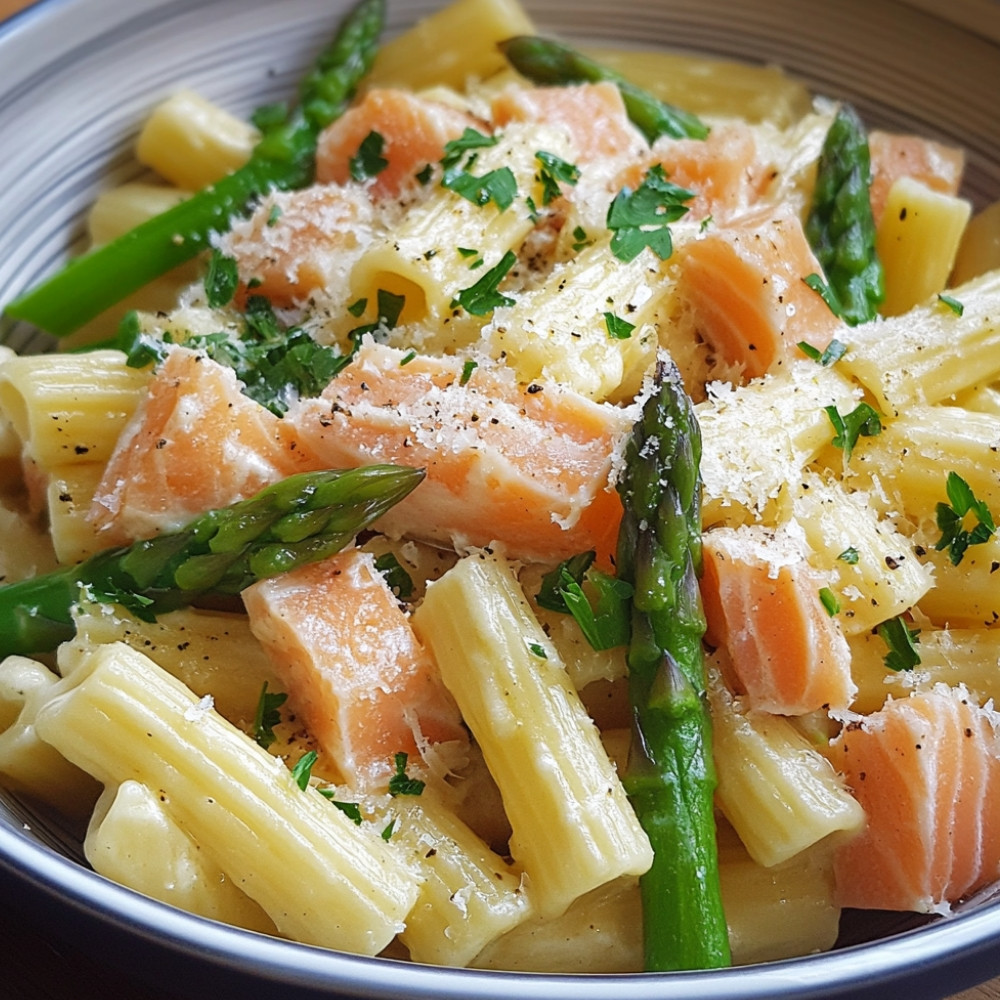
(498, 186)
(554, 171)
(390, 307)
(400, 582)
(829, 601)
(618, 328)
(862, 421)
(902, 642)
(849, 556)
(825, 292)
(482, 298)
(605, 624)
(640, 218)
(274, 215)
(962, 508)
(407, 358)
(357, 307)
(108, 593)
(267, 716)
(537, 649)
(834, 351)
(952, 303)
(580, 239)
(302, 771)
(221, 280)
(388, 829)
(424, 176)
(467, 369)
(401, 783)
(368, 161)
(350, 809)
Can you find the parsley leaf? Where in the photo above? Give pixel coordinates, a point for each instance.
(537, 649)
(952, 303)
(368, 161)
(862, 421)
(639, 219)
(849, 556)
(302, 770)
(108, 593)
(400, 783)
(482, 298)
(554, 170)
(469, 140)
(829, 601)
(499, 186)
(902, 642)
(467, 369)
(221, 279)
(390, 307)
(605, 624)
(952, 517)
(350, 809)
(267, 716)
(834, 351)
(825, 292)
(400, 582)
(618, 328)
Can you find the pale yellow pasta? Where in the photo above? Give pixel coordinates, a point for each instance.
(192, 142)
(760, 436)
(905, 467)
(469, 895)
(560, 330)
(70, 491)
(930, 353)
(917, 241)
(873, 568)
(573, 827)
(779, 793)
(449, 48)
(25, 548)
(969, 656)
(981, 398)
(122, 208)
(780, 911)
(771, 913)
(979, 250)
(70, 407)
(966, 595)
(320, 878)
(27, 764)
(133, 840)
(423, 258)
(210, 652)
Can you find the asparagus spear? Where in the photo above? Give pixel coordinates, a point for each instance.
(670, 774)
(301, 519)
(543, 60)
(840, 227)
(283, 159)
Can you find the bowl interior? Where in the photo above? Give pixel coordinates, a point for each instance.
(79, 75)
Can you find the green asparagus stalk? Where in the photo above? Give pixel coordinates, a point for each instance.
(304, 518)
(283, 159)
(840, 227)
(545, 61)
(670, 774)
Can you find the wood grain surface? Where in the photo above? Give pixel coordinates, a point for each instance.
(38, 965)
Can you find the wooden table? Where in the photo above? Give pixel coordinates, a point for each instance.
(36, 966)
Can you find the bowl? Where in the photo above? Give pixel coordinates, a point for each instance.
(79, 76)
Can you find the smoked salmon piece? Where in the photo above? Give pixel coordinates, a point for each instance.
(354, 669)
(936, 165)
(414, 131)
(744, 285)
(592, 113)
(762, 604)
(194, 443)
(926, 770)
(299, 242)
(721, 170)
(526, 467)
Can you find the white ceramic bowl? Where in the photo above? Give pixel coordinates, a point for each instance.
(77, 78)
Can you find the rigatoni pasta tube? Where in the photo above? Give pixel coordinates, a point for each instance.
(780, 795)
(133, 840)
(70, 407)
(320, 878)
(930, 353)
(573, 827)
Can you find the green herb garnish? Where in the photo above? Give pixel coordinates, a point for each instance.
(401, 783)
(618, 328)
(902, 642)
(267, 716)
(833, 352)
(369, 161)
(482, 298)
(400, 582)
(829, 601)
(554, 171)
(221, 279)
(302, 771)
(640, 218)
(952, 303)
(849, 556)
(963, 506)
(862, 421)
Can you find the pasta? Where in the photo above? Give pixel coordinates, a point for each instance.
(476, 282)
